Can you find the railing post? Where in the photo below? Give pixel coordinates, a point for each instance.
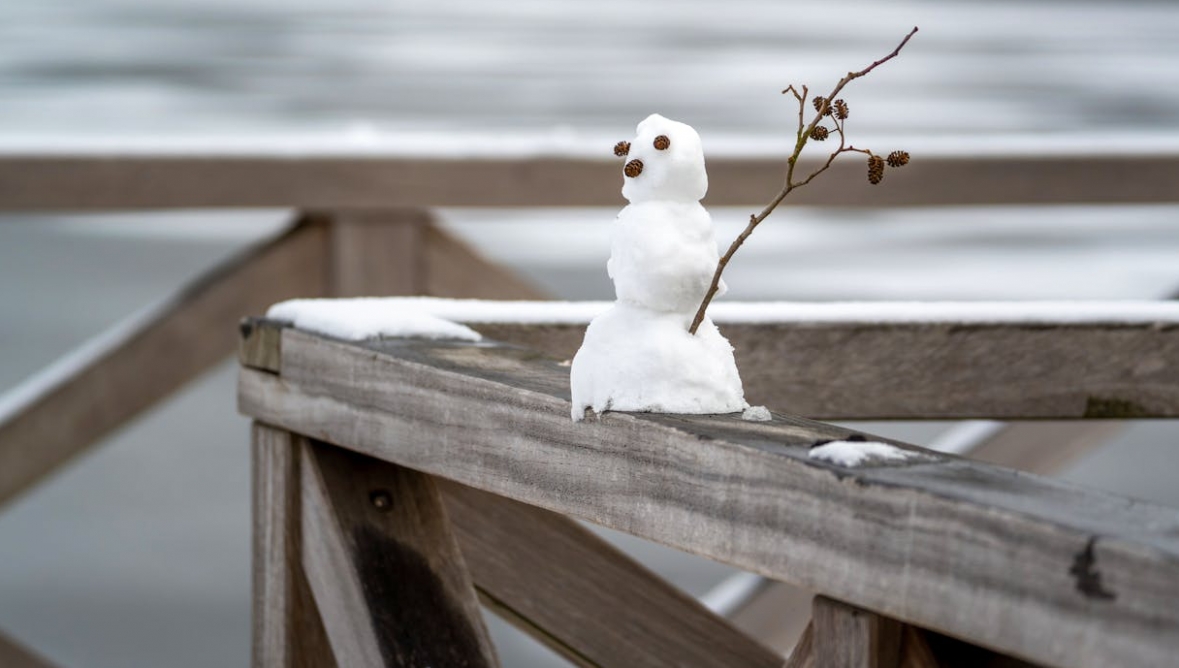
(384, 567)
(848, 637)
(287, 629)
(377, 252)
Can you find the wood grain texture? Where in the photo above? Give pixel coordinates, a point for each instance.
(287, 629)
(260, 345)
(135, 181)
(939, 370)
(776, 614)
(915, 651)
(803, 654)
(15, 655)
(578, 594)
(848, 637)
(180, 340)
(386, 573)
(938, 542)
(377, 252)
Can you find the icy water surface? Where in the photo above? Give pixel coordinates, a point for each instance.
(167, 66)
(138, 555)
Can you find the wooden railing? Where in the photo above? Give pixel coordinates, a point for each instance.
(445, 449)
(362, 225)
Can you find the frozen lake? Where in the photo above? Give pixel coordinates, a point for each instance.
(138, 553)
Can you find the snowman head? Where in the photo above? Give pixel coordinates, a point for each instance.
(663, 162)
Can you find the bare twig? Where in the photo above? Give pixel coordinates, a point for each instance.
(804, 134)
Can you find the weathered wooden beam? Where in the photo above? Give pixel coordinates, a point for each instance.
(937, 370)
(377, 252)
(114, 180)
(385, 571)
(803, 653)
(848, 637)
(14, 655)
(287, 629)
(75, 402)
(936, 541)
(582, 597)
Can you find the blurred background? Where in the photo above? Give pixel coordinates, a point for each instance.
(137, 554)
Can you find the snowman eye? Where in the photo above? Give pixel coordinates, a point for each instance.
(622, 148)
(633, 168)
(662, 142)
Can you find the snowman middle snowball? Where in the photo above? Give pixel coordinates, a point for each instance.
(638, 355)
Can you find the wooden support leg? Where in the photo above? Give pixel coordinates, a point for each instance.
(848, 637)
(13, 655)
(378, 252)
(385, 571)
(288, 631)
(576, 593)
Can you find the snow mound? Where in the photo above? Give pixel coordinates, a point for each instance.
(635, 359)
(368, 318)
(854, 453)
(757, 414)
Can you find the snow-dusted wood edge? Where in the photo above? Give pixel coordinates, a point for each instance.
(144, 179)
(1016, 360)
(1025, 565)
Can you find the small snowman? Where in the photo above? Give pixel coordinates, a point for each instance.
(638, 355)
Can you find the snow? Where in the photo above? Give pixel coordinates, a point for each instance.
(850, 454)
(356, 319)
(663, 255)
(638, 355)
(475, 311)
(672, 174)
(757, 414)
(636, 359)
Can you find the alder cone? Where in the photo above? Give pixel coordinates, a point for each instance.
(621, 149)
(875, 169)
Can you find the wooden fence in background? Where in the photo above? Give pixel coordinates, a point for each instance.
(362, 225)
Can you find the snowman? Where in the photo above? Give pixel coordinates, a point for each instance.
(638, 355)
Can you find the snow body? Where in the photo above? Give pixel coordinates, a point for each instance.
(638, 354)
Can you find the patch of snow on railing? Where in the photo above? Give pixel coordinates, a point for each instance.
(475, 312)
(356, 319)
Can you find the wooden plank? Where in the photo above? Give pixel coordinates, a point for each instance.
(777, 612)
(803, 654)
(937, 370)
(578, 594)
(260, 345)
(127, 180)
(385, 571)
(287, 629)
(377, 252)
(847, 637)
(15, 655)
(915, 651)
(77, 402)
(938, 542)
(454, 269)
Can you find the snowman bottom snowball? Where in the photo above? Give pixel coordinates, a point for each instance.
(635, 359)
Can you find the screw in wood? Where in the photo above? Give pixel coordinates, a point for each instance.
(381, 500)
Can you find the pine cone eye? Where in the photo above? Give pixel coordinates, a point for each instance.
(662, 142)
(622, 148)
(633, 168)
